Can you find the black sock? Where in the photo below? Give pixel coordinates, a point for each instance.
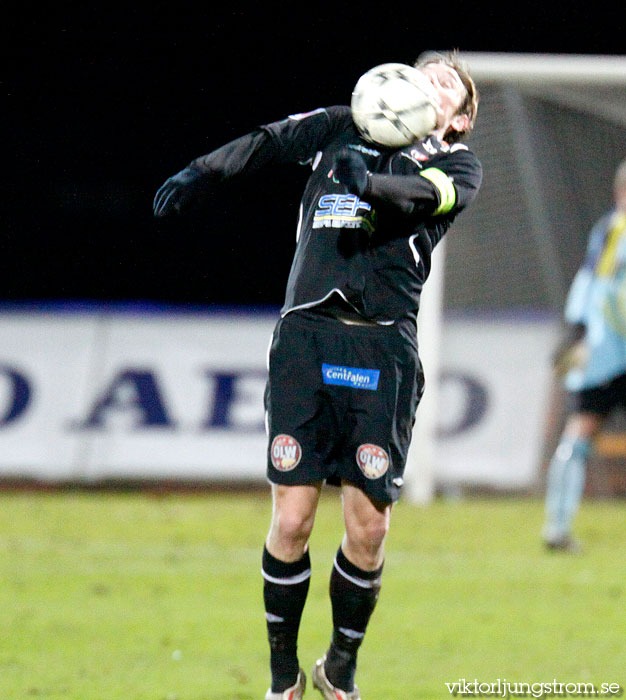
(285, 588)
(353, 594)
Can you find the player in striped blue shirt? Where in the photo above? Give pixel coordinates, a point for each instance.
(593, 362)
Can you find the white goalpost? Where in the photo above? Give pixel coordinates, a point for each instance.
(567, 86)
(421, 460)
(573, 69)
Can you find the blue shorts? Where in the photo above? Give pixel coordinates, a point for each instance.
(340, 403)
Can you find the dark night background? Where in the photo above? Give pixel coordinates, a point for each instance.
(100, 107)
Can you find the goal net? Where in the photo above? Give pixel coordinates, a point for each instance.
(551, 130)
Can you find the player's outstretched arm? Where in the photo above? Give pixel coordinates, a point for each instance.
(243, 155)
(294, 140)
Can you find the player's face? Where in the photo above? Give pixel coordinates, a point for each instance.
(451, 93)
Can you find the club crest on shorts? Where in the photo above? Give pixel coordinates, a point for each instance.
(285, 453)
(373, 461)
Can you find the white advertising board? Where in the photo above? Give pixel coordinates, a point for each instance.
(96, 396)
(493, 393)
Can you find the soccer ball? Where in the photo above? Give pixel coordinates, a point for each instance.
(394, 105)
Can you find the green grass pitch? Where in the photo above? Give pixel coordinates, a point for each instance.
(132, 596)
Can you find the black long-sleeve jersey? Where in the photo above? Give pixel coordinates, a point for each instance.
(374, 250)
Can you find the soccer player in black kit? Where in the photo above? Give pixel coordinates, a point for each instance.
(344, 372)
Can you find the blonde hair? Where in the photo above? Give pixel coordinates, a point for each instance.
(469, 106)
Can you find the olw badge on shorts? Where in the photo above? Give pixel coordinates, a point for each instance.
(373, 461)
(285, 452)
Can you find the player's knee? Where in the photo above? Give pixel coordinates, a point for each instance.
(293, 516)
(368, 537)
(292, 526)
(583, 425)
(374, 533)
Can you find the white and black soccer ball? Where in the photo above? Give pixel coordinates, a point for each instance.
(394, 105)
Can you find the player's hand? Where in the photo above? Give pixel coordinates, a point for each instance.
(572, 350)
(179, 192)
(575, 357)
(350, 169)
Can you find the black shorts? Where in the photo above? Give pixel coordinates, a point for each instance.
(340, 403)
(601, 399)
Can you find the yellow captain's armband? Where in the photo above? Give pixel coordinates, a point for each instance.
(447, 193)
